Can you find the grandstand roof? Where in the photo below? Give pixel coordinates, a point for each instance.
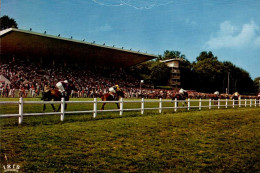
(22, 43)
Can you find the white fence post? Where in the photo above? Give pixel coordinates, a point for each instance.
(239, 102)
(226, 103)
(209, 103)
(121, 106)
(200, 104)
(233, 103)
(218, 103)
(160, 105)
(95, 108)
(245, 102)
(250, 102)
(188, 104)
(175, 104)
(20, 119)
(255, 102)
(142, 106)
(62, 109)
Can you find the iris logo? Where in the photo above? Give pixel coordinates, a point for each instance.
(11, 168)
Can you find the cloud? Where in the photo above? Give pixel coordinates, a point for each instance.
(230, 36)
(137, 4)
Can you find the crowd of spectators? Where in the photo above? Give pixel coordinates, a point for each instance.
(28, 78)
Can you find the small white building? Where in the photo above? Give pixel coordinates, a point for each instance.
(175, 77)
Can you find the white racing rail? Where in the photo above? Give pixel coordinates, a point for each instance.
(216, 103)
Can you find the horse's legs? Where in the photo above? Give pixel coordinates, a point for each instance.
(44, 107)
(58, 108)
(53, 107)
(117, 105)
(103, 106)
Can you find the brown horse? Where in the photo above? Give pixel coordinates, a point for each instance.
(182, 97)
(109, 97)
(214, 97)
(55, 95)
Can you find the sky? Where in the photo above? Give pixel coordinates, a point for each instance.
(228, 28)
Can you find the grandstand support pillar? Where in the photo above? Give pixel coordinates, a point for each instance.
(200, 104)
(95, 108)
(175, 104)
(209, 103)
(20, 119)
(160, 105)
(142, 106)
(218, 103)
(121, 106)
(62, 109)
(226, 103)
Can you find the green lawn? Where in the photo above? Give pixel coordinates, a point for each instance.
(225, 140)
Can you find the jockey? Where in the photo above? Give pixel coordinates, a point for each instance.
(46, 90)
(113, 90)
(61, 85)
(216, 92)
(182, 91)
(236, 94)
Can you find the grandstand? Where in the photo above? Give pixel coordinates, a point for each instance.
(29, 59)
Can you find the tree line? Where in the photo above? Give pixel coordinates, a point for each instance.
(206, 74)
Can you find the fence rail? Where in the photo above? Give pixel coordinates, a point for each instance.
(216, 103)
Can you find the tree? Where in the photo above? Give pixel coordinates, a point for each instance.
(7, 22)
(186, 74)
(206, 55)
(257, 84)
(239, 79)
(160, 74)
(171, 54)
(207, 73)
(142, 71)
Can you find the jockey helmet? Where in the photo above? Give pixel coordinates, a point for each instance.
(66, 81)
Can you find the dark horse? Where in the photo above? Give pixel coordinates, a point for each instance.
(181, 97)
(109, 97)
(56, 95)
(214, 97)
(235, 97)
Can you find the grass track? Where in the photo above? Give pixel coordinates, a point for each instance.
(226, 140)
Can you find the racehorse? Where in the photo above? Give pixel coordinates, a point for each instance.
(181, 97)
(235, 96)
(56, 95)
(109, 97)
(214, 97)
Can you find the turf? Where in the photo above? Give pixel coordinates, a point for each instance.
(225, 140)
